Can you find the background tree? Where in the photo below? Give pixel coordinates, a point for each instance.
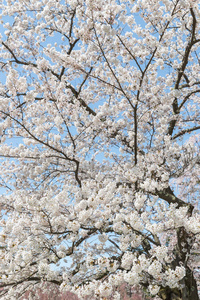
(99, 107)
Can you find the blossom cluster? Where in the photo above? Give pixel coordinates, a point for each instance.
(99, 146)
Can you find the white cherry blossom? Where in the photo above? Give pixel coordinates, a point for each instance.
(99, 146)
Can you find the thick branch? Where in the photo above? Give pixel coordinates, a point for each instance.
(176, 108)
(185, 131)
(169, 196)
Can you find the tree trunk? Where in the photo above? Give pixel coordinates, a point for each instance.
(188, 292)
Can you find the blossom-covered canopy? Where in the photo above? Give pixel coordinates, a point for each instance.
(100, 140)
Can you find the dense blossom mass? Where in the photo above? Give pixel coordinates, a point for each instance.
(100, 142)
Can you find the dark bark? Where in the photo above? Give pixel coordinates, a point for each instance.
(188, 291)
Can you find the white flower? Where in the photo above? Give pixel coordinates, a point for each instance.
(155, 268)
(174, 276)
(161, 252)
(43, 268)
(74, 226)
(139, 201)
(132, 278)
(180, 272)
(105, 289)
(154, 289)
(103, 238)
(116, 296)
(127, 260)
(65, 277)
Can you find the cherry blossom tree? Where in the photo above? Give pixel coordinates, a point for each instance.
(100, 132)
